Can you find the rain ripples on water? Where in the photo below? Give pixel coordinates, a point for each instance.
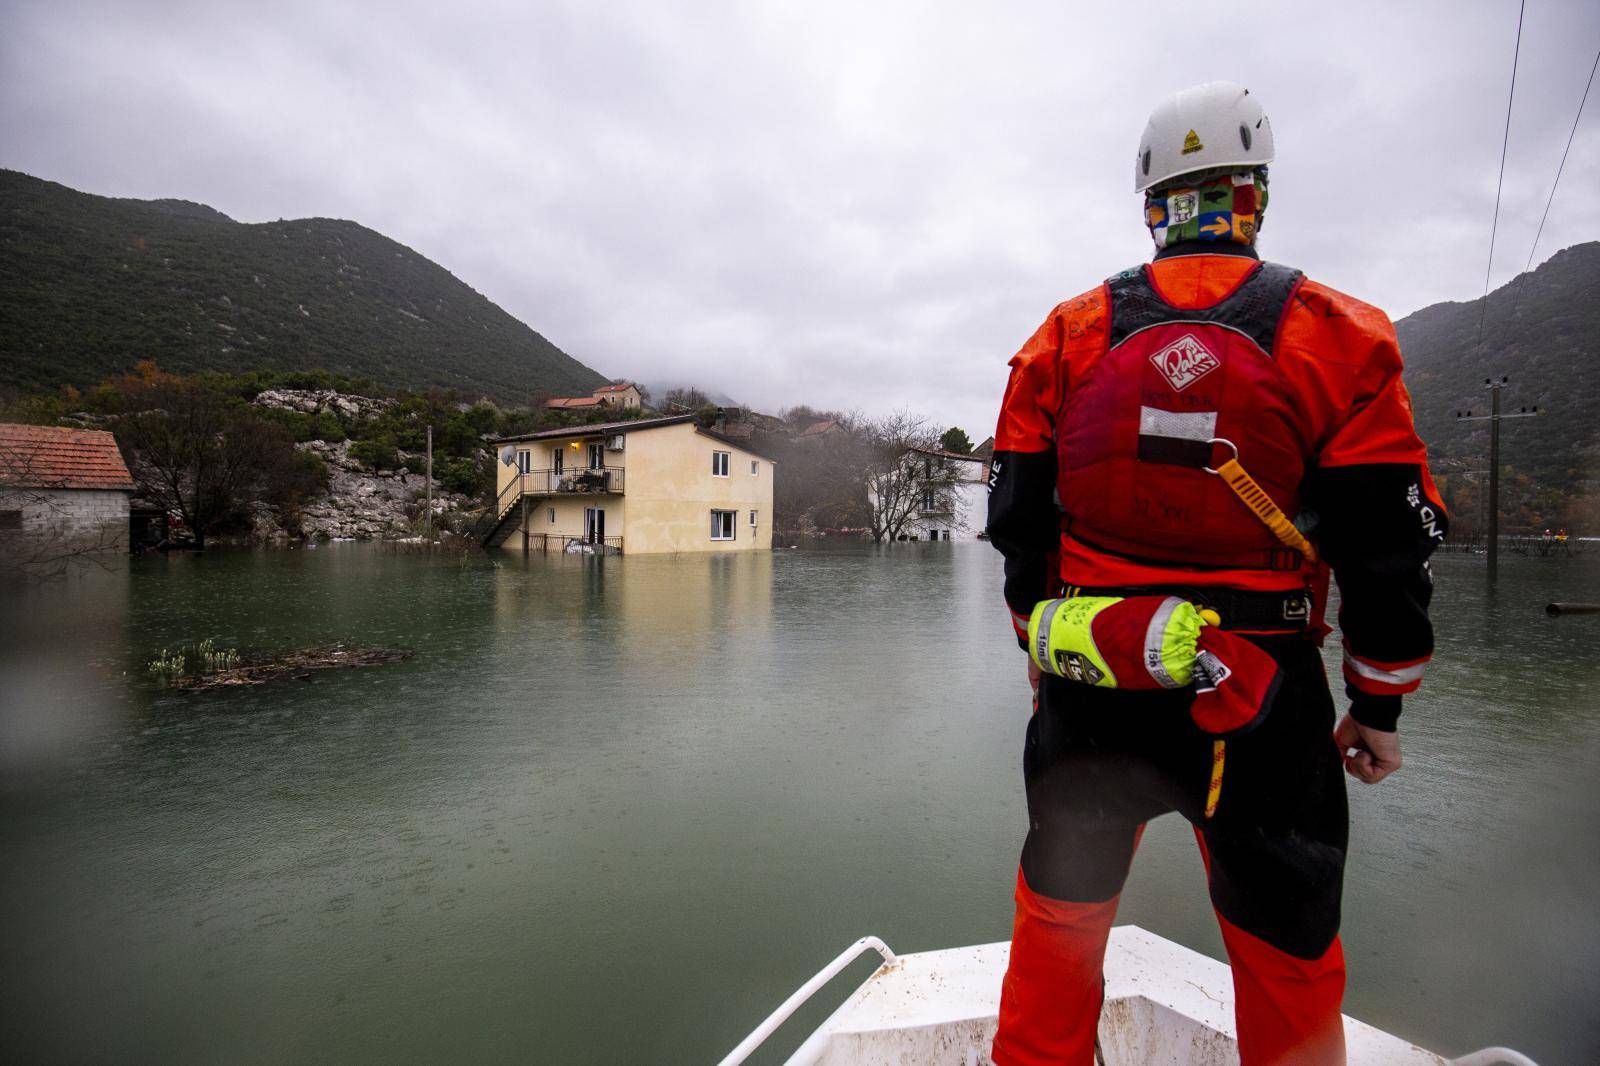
(615, 809)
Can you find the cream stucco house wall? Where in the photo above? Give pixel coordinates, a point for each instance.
(643, 487)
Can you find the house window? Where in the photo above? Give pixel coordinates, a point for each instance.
(755, 467)
(930, 501)
(722, 523)
(597, 456)
(558, 458)
(524, 461)
(719, 463)
(752, 520)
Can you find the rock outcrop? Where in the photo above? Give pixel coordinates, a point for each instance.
(361, 503)
(318, 401)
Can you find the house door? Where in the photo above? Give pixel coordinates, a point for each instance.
(597, 457)
(594, 524)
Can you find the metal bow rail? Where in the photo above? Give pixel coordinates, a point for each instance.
(806, 991)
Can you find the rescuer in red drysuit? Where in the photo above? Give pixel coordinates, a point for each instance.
(1118, 411)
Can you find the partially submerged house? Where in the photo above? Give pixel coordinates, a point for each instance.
(956, 503)
(645, 486)
(63, 492)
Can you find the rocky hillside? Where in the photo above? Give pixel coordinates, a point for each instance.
(90, 285)
(362, 502)
(1543, 331)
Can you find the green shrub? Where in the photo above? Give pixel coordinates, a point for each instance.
(382, 453)
(329, 428)
(467, 476)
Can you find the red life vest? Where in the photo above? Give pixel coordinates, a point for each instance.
(1136, 433)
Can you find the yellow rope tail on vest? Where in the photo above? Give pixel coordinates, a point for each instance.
(1219, 749)
(1255, 497)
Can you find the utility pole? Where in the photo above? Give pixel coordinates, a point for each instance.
(1494, 417)
(427, 508)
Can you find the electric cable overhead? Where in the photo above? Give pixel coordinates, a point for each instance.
(1505, 142)
(1517, 296)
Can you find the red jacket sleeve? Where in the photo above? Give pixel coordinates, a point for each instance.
(1024, 519)
(1378, 520)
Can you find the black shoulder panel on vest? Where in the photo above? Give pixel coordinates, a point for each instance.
(1253, 309)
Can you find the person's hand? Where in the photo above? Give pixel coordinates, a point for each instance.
(1370, 755)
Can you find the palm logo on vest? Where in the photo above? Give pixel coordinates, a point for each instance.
(1184, 362)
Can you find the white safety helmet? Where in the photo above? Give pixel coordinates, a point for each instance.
(1218, 124)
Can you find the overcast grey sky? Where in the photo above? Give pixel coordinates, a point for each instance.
(856, 204)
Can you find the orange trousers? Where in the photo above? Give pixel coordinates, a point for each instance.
(1098, 765)
(1286, 1009)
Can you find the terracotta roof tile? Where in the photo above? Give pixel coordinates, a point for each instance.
(598, 428)
(623, 387)
(56, 457)
(573, 401)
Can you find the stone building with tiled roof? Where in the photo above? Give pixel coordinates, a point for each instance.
(63, 492)
(622, 394)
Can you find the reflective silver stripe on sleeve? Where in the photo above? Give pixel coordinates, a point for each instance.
(1153, 640)
(1405, 675)
(1042, 644)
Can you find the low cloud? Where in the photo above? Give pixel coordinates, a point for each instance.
(848, 205)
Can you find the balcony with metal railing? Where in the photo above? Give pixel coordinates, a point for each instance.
(583, 481)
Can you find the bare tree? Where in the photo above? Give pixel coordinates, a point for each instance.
(194, 453)
(685, 399)
(898, 461)
(819, 485)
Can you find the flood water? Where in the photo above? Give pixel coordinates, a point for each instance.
(614, 810)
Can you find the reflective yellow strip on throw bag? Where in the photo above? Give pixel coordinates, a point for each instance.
(1255, 497)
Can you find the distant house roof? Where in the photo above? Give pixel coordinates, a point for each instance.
(621, 386)
(942, 454)
(632, 425)
(563, 402)
(599, 429)
(985, 450)
(56, 457)
(817, 429)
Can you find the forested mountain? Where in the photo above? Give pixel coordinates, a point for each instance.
(90, 285)
(1542, 330)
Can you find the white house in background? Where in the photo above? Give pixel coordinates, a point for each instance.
(957, 510)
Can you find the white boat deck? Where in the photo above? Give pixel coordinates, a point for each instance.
(1164, 1004)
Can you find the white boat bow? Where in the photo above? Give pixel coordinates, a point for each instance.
(1163, 1004)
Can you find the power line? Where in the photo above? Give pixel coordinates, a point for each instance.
(1564, 164)
(1504, 144)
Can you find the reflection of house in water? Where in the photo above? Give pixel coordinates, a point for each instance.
(657, 621)
(63, 493)
(644, 486)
